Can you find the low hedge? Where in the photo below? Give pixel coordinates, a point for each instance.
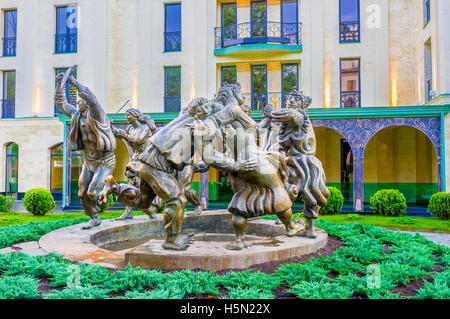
(38, 201)
(388, 202)
(335, 202)
(439, 205)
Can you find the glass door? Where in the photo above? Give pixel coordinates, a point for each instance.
(259, 19)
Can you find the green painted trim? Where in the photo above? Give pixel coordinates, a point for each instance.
(444, 179)
(258, 46)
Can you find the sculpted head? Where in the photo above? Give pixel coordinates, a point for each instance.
(199, 107)
(82, 106)
(297, 99)
(230, 90)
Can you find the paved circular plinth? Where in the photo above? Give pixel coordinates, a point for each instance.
(138, 242)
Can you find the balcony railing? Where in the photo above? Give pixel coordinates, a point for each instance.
(9, 46)
(350, 98)
(172, 41)
(259, 100)
(8, 108)
(172, 104)
(349, 32)
(66, 43)
(257, 32)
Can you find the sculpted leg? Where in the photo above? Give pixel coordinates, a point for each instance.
(239, 224)
(167, 187)
(286, 218)
(89, 205)
(310, 212)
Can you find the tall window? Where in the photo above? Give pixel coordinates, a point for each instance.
(71, 90)
(12, 169)
(428, 72)
(426, 11)
(259, 86)
(172, 29)
(259, 19)
(9, 94)
(9, 32)
(229, 24)
(56, 168)
(229, 74)
(66, 29)
(289, 80)
(350, 83)
(172, 89)
(349, 21)
(289, 20)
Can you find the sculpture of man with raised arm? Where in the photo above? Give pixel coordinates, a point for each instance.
(91, 132)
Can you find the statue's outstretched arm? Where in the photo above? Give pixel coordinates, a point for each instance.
(61, 101)
(139, 137)
(86, 94)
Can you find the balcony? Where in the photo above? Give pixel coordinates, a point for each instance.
(8, 108)
(350, 98)
(172, 104)
(172, 41)
(66, 43)
(9, 46)
(259, 100)
(264, 35)
(349, 32)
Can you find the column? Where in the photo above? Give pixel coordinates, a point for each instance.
(273, 11)
(274, 83)
(243, 77)
(358, 178)
(203, 188)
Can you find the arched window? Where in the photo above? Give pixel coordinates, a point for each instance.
(56, 168)
(12, 169)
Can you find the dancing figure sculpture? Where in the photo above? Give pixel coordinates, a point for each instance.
(137, 136)
(91, 132)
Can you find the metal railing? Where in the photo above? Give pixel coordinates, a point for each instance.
(350, 98)
(257, 32)
(172, 104)
(172, 41)
(259, 100)
(9, 46)
(349, 32)
(66, 43)
(8, 108)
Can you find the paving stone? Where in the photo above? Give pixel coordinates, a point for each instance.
(27, 245)
(438, 238)
(6, 251)
(35, 252)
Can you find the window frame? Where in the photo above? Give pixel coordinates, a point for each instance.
(51, 165)
(69, 34)
(282, 80)
(222, 68)
(4, 97)
(340, 81)
(165, 86)
(166, 5)
(359, 23)
(5, 29)
(6, 167)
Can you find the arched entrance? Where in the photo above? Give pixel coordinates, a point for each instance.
(403, 158)
(122, 159)
(336, 155)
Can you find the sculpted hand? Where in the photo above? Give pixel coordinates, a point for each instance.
(248, 165)
(283, 115)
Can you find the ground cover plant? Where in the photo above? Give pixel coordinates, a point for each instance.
(372, 262)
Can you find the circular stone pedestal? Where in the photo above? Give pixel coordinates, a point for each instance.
(138, 242)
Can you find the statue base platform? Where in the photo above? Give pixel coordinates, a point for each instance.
(114, 243)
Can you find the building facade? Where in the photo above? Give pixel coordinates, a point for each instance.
(378, 72)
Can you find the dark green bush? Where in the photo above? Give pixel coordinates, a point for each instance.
(388, 202)
(439, 205)
(6, 203)
(335, 202)
(102, 207)
(38, 201)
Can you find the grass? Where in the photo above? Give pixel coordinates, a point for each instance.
(403, 223)
(372, 263)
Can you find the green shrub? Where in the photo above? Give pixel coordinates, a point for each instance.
(388, 202)
(102, 207)
(439, 205)
(38, 201)
(335, 202)
(6, 203)
(353, 217)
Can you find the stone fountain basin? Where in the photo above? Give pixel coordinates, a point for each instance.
(116, 243)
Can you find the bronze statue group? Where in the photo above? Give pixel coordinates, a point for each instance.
(266, 177)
